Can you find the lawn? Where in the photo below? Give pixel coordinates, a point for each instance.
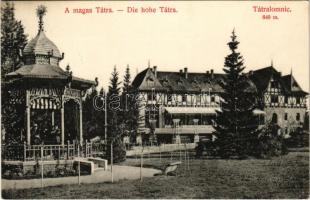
(281, 177)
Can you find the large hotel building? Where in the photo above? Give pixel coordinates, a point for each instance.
(181, 105)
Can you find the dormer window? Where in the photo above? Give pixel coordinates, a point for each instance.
(150, 79)
(295, 84)
(208, 81)
(195, 82)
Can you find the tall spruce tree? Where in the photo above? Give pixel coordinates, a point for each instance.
(130, 107)
(13, 40)
(235, 124)
(93, 118)
(115, 125)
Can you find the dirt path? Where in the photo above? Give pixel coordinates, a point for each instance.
(119, 172)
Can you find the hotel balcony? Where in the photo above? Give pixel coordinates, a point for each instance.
(186, 129)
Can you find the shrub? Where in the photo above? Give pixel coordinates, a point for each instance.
(119, 152)
(270, 142)
(298, 138)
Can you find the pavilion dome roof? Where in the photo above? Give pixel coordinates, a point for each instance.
(41, 45)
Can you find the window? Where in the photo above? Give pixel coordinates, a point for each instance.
(297, 116)
(169, 97)
(274, 99)
(183, 97)
(274, 118)
(151, 96)
(198, 99)
(297, 100)
(286, 99)
(285, 116)
(212, 98)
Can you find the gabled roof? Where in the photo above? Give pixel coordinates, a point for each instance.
(177, 82)
(195, 82)
(261, 77)
(146, 80)
(292, 85)
(203, 82)
(139, 78)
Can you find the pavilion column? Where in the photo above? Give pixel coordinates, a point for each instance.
(53, 118)
(28, 106)
(62, 113)
(28, 124)
(81, 123)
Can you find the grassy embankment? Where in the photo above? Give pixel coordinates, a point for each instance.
(282, 177)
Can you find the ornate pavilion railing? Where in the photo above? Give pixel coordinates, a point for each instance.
(49, 152)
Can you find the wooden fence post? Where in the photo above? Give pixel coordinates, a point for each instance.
(141, 165)
(112, 161)
(159, 154)
(79, 165)
(42, 169)
(25, 149)
(91, 149)
(58, 152)
(68, 149)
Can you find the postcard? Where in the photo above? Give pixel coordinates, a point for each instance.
(154, 99)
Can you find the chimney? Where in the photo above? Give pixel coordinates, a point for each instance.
(212, 74)
(155, 71)
(208, 73)
(181, 72)
(185, 72)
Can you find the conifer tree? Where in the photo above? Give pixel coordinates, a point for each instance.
(93, 117)
(130, 107)
(115, 126)
(235, 124)
(13, 41)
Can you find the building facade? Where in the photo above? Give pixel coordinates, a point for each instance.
(181, 106)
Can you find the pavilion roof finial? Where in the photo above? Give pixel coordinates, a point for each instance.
(271, 62)
(41, 11)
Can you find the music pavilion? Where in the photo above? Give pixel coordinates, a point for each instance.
(45, 94)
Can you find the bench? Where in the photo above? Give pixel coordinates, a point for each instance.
(170, 168)
(86, 166)
(100, 162)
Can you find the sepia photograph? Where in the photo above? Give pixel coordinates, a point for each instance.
(155, 100)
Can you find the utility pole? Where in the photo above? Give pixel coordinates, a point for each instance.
(112, 161)
(105, 117)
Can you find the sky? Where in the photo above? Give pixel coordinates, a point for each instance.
(195, 36)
